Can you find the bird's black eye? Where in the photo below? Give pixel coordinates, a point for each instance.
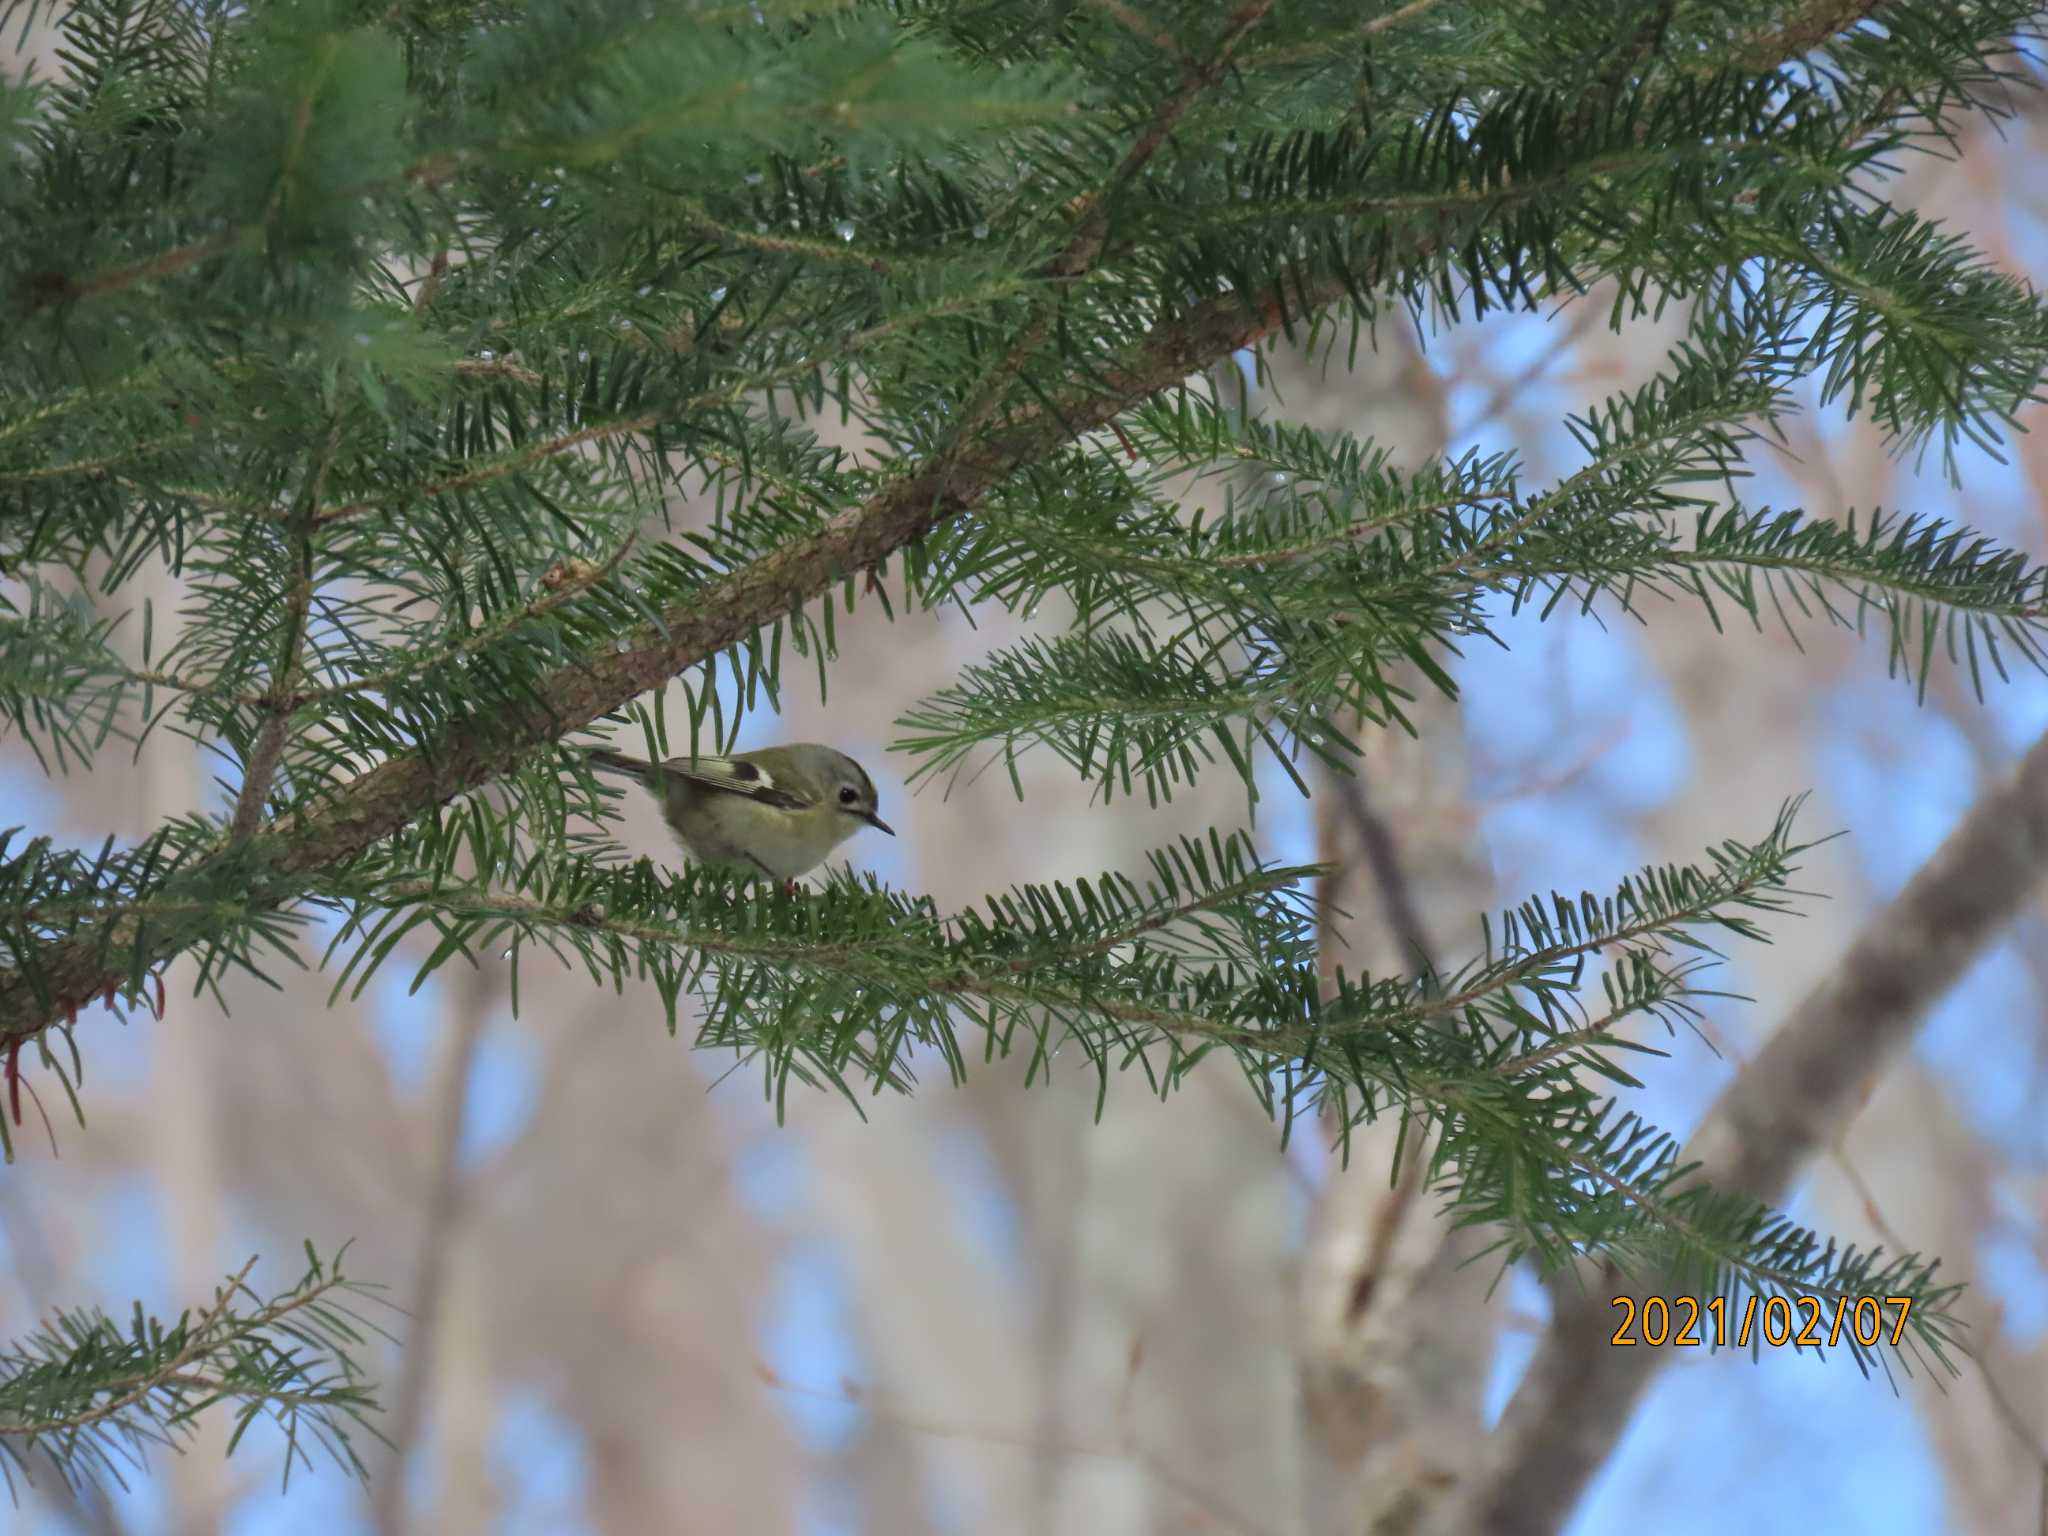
(847, 796)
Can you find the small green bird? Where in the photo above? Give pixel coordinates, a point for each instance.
(780, 810)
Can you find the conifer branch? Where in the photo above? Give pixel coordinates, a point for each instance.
(87, 1396)
(1338, 38)
(501, 467)
(94, 467)
(293, 850)
(1090, 211)
(276, 710)
(983, 251)
(1806, 28)
(124, 1391)
(168, 263)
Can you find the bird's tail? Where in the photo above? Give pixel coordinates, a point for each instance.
(613, 762)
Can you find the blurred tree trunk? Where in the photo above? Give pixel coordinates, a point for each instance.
(1395, 1339)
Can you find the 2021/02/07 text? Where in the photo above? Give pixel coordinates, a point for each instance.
(1804, 1321)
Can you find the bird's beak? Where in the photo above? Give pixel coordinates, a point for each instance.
(880, 825)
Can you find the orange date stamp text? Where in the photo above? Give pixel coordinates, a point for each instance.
(1806, 1322)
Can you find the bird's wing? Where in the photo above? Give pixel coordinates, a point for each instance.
(615, 762)
(736, 776)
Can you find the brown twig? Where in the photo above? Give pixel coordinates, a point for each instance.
(163, 264)
(430, 285)
(1294, 53)
(97, 466)
(1383, 860)
(1090, 211)
(1138, 26)
(1509, 389)
(261, 770)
